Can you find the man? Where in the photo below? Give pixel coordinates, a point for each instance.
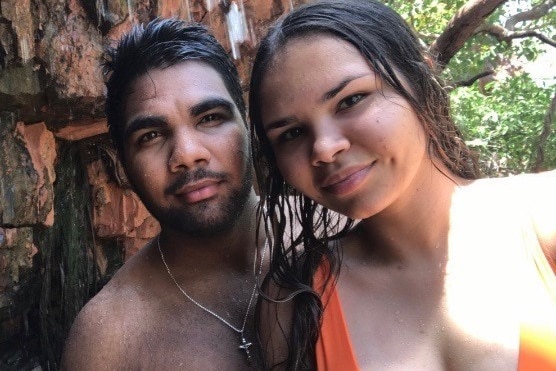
(186, 300)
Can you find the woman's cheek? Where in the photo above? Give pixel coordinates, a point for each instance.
(295, 175)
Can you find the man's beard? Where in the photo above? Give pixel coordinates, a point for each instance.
(205, 219)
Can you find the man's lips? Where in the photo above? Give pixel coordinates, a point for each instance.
(197, 185)
(199, 190)
(193, 180)
(346, 180)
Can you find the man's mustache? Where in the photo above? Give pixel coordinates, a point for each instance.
(193, 176)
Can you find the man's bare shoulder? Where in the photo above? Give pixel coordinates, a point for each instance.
(91, 337)
(100, 335)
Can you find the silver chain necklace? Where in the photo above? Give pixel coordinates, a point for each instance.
(244, 343)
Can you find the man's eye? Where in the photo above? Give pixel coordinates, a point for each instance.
(147, 137)
(350, 101)
(212, 118)
(290, 134)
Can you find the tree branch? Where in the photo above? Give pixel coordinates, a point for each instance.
(462, 25)
(470, 81)
(529, 15)
(503, 34)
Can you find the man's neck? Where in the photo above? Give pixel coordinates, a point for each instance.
(234, 248)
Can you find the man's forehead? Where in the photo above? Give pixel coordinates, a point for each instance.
(190, 82)
(189, 75)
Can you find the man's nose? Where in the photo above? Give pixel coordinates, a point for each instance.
(188, 151)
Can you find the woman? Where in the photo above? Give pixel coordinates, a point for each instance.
(441, 271)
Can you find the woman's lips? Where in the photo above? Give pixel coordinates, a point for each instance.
(346, 181)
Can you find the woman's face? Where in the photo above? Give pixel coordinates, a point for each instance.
(340, 134)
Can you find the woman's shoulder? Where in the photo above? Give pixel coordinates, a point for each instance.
(536, 192)
(541, 191)
(526, 186)
(532, 195)
(541, 179)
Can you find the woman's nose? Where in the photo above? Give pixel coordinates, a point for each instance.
(328, 143)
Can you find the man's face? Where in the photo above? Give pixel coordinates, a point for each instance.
(186, 148)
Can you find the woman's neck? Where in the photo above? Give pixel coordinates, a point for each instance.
(416, 225)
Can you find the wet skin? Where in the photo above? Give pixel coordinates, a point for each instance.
(340, 134)
(187, 148)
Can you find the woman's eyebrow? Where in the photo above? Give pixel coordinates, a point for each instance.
(326, 96)
(279, 123)
(334, 91)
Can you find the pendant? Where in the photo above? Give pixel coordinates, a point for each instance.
(245, 347)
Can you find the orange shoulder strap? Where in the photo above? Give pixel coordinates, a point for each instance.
(334, 350)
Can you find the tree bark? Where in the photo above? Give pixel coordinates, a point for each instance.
(460, 28)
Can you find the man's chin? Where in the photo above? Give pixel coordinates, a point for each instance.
(202, 223)
(211, 217)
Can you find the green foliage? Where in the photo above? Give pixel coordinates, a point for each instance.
(502, 117)
(503, 123)
(428, 17)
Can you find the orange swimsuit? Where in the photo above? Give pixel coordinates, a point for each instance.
(334, 351)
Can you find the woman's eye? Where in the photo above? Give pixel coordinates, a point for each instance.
(350, 101)
(290, 134)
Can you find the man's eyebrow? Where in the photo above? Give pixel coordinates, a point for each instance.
(142, 123)
(159, 121)
(211, 103)
(334, 91)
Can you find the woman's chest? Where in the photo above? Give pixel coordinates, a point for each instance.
(464, 315)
